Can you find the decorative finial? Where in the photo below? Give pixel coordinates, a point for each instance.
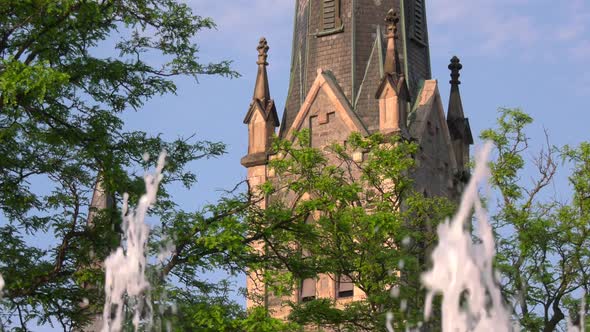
(455, 67)
(261, 91)
(262, 51)
(392, 19)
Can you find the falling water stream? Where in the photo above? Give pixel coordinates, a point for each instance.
(464, 270)
(125, 279)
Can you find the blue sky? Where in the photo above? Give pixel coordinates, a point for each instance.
(516, 53)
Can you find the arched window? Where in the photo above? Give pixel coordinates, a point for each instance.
(331, 19)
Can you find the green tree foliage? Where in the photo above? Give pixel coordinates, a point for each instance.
(361, 220)
(68, 70)
(543, 241)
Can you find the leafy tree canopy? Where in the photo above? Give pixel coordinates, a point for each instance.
(68, 70)
(358, 220)
(543, 240)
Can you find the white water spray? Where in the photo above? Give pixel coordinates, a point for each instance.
(462, 271)
(573, 328)
(125, 279)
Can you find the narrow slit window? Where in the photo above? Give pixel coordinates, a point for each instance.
(429, 128)
(345, 287)
(331, 15)
(308, 289)
(419, 20)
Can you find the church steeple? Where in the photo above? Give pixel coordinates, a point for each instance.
(101, 200)
(261, 118)
(343, 37)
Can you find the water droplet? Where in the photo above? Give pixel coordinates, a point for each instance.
(406, 241)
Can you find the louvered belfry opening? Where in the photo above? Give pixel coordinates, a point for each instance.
(419, 26)
(331, 15)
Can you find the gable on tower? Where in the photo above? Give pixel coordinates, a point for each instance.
(429, 114)
(436, 162)
(326, 101)
(268, 112)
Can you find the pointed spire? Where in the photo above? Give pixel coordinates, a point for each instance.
(100, 200)
(458, 124)
(261, 96)
(393, 91)
(262, 91)
(262, 117)
(392, 63)
(455, 104)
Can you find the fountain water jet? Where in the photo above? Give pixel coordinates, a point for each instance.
(125, 268)
(463, 270)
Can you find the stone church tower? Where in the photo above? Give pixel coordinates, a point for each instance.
(361, 66)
